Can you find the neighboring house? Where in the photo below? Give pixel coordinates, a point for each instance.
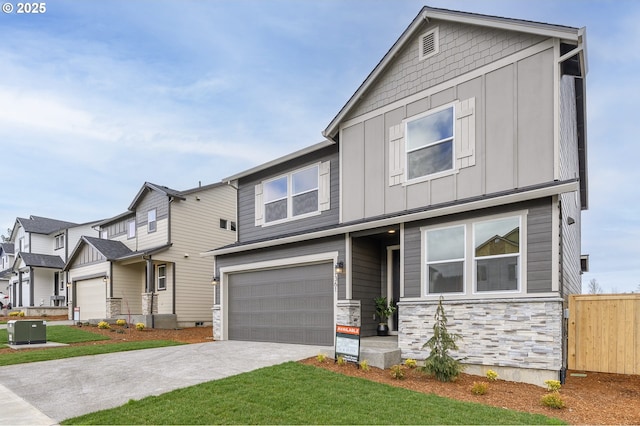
(456, 170)
(6, 266)
(41, 248)
(146, 264)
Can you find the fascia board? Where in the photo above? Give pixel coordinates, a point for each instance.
(395, 220)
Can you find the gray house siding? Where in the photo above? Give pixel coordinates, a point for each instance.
(513, 116)
(152, 200)
(323, 245)
(462, 49)
(248, 231)
(118, 228)
(539, 245)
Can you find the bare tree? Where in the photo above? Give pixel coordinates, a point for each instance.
(594, 287)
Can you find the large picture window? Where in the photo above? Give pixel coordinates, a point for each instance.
(497, 254)
(474, 257)
(445, 260)
(292, 195)
(429, 144)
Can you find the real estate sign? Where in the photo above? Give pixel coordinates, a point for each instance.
(348, 342)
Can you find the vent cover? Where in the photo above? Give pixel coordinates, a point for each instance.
(428, 44)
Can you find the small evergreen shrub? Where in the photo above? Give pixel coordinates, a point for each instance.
(410, 363)
(553, 400)
(492, 376)
(104, 325)
(321, 357)
(397, 371)
(553, 385)
(341, 360)
(364, 365)
(479, 388)
(440, 363)
(21, 313)
(121, 322)
(14, 314)
(140, 326)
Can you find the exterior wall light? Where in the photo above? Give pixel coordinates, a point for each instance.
(215, 280)
(340, 268)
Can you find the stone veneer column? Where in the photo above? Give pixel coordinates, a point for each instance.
(114, 307)
(348, 313)
(514, 334)
(217, 323)
(147, 298)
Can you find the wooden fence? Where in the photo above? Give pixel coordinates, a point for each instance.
(604, 333)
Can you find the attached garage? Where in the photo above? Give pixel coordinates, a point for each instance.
(285, 305)
(91, 299)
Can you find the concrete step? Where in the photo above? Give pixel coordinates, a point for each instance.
(381, 357)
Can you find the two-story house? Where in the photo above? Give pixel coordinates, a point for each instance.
(6, 266)
(41, 248)
(145, 266)
(456, 170)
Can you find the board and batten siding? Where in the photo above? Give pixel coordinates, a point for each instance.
(248, 231)
(513, 119)
(322, 245)
(195, 229)
(539, 248)
(366, 261)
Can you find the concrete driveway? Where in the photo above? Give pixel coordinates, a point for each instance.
(51, 391)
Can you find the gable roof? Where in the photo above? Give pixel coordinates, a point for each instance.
(7, 248)
(43, 225)
(148, 186)
(429, 13)
(112, 250)
(40, 260)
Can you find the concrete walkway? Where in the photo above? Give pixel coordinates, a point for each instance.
(48, 392)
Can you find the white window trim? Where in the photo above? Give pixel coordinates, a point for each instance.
(158, 276)
(426, 263)
(154, 221)
(436, 42)
(289, 197)
(453, 169)
(129, 229)
(470, 258)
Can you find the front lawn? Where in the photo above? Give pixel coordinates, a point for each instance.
(293, 393)
(69, 335)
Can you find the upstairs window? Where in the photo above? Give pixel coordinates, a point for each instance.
(223, 223)
(291, 195)
(131, 229)
(59, 241)
(151, 221)
(429, 143)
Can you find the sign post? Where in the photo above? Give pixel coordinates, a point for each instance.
(348, 342)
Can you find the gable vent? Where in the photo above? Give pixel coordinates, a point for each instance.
(428, 44)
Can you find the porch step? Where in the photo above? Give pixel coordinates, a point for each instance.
(381, 357)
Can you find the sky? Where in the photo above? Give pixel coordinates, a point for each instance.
(98, 97)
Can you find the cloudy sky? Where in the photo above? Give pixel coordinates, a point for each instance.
(98, 97)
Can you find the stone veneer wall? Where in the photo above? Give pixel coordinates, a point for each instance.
(522, 334)
(217, 323)
(114, 307)
(147, 298)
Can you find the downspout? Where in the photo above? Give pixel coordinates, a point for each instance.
(32, 283)
(149, 284)
(173, 278)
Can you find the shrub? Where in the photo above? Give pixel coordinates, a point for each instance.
(397, 371)
(479, 388)
(553, 400)
(364, 365)
(140, 326)
(104, 325)
(341, 360)
(410, 363)
(492, 376)
(439, 363)
(553, 385)
(121, 322)
(14, 313)
(321, 357)
(21, 313)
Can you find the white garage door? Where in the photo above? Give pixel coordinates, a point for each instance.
(91, 299)
(288, 305)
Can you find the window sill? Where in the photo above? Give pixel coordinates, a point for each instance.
(431, 177)
(291, 219)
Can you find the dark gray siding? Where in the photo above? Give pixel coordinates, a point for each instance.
(366, 261)
(247, 231)
(322, 245)
(152, 200)
(539, 248)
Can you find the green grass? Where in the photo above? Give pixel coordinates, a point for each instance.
(66, 334)
(293, 393)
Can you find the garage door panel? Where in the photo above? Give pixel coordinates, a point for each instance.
(289, 305)
(91, 299)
